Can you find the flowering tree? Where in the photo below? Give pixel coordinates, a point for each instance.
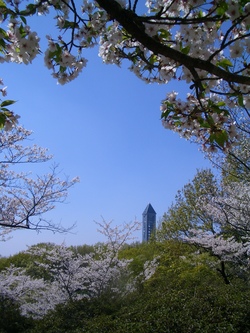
(230, 239)
(24, 199)
(186, 212)
(204, 43)
(74, 276)
(70, 276)
(215, 217)
(33, 296)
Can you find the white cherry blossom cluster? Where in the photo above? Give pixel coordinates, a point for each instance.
(149, 268)
(4, 89)
(215, 33)
(229, 249)
(69, 66)
(231, 241)
(78, 276)
(191, 121)
(32, 295)
(59, 56)
(21, 44)
(109, 42)
(71, 276)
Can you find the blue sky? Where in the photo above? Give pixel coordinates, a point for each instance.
(105, 128)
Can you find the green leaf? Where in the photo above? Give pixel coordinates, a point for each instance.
(23, 19)
(224, 63)
(243, 2)
(185, 49)
(201, 14)
(2, 119)
(70, 25)
(56, 55)
(221, 103)
(165, 114)
(2, 43)
(3, 32)
(7, 102)
(164, 34)
(62, 69)
(210, 120)
(215, 108)
(170, 108)
(240, 101)
(31, 9)
(153, 59)
(220, 138)
(203, 123)
(222, 8)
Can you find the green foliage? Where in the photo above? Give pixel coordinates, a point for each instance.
(21, 259)
(184, 296)
(11, 320)
(225, 63)
(28, 261)
(78, 315)
(185, 213)
(140, 253)
(196, 303)
(217, 135)
(236, 166)
(6, 115)
(222, 8)
(83, 249)
(3, 263)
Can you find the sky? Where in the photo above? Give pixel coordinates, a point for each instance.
(104, 127)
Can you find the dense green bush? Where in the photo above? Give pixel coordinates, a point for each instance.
(11, 321)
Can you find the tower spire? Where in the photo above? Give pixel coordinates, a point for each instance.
(148, 222)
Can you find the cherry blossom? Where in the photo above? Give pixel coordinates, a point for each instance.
(24, 198)
(30, 294)
(230, 240)
(205, 44)
(71, 276)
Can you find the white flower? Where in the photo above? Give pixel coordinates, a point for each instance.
(236, 49)
(4, 91)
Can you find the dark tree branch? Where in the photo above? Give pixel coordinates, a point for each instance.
(222, 271)
(130, 21)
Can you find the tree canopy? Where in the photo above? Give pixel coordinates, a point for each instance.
(213, 215)
(206, 44)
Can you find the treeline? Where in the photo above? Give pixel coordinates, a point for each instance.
(184, 294)
(193, 275)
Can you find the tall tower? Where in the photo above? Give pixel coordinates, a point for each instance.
(148, 222)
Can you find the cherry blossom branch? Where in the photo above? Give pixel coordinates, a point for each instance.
(24, 199)
(130, 22)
